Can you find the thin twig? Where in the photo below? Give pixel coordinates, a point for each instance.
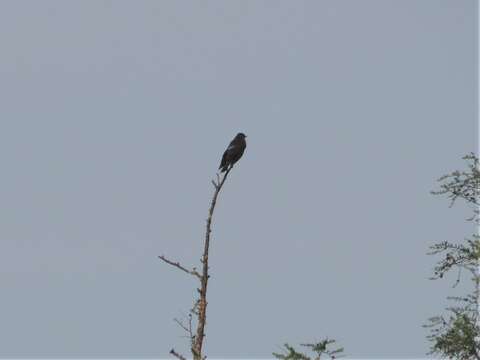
(192, 337)
(188, 330)
(177, 355)
(181, 325)
(177, 265)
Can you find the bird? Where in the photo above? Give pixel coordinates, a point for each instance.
(233, 153)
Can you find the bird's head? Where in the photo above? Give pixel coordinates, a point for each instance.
(241, 136)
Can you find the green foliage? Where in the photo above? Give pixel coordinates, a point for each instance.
(455, 337)
(291, 354)
(462, 184)
(460, 256)
(320, 348)
(457, 334)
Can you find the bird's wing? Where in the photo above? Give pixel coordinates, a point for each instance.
(223, 163)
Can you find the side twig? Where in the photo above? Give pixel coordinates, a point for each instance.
(178, 266)
(177, 355)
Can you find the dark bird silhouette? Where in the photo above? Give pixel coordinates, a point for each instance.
(234, 152)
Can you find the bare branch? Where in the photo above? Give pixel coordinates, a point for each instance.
(178, 266)
(202, 303)
(192, 337)
(177, 355)
(182, 325)
(199, 308)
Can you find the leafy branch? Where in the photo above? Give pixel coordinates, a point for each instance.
(320, 348)
(457, 334)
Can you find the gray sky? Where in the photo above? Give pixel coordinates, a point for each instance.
(115, 115)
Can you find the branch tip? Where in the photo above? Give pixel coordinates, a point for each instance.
(177, 355)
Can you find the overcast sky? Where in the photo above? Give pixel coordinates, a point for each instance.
(114, 118)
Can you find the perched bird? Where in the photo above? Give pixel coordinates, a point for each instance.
(234, 152)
